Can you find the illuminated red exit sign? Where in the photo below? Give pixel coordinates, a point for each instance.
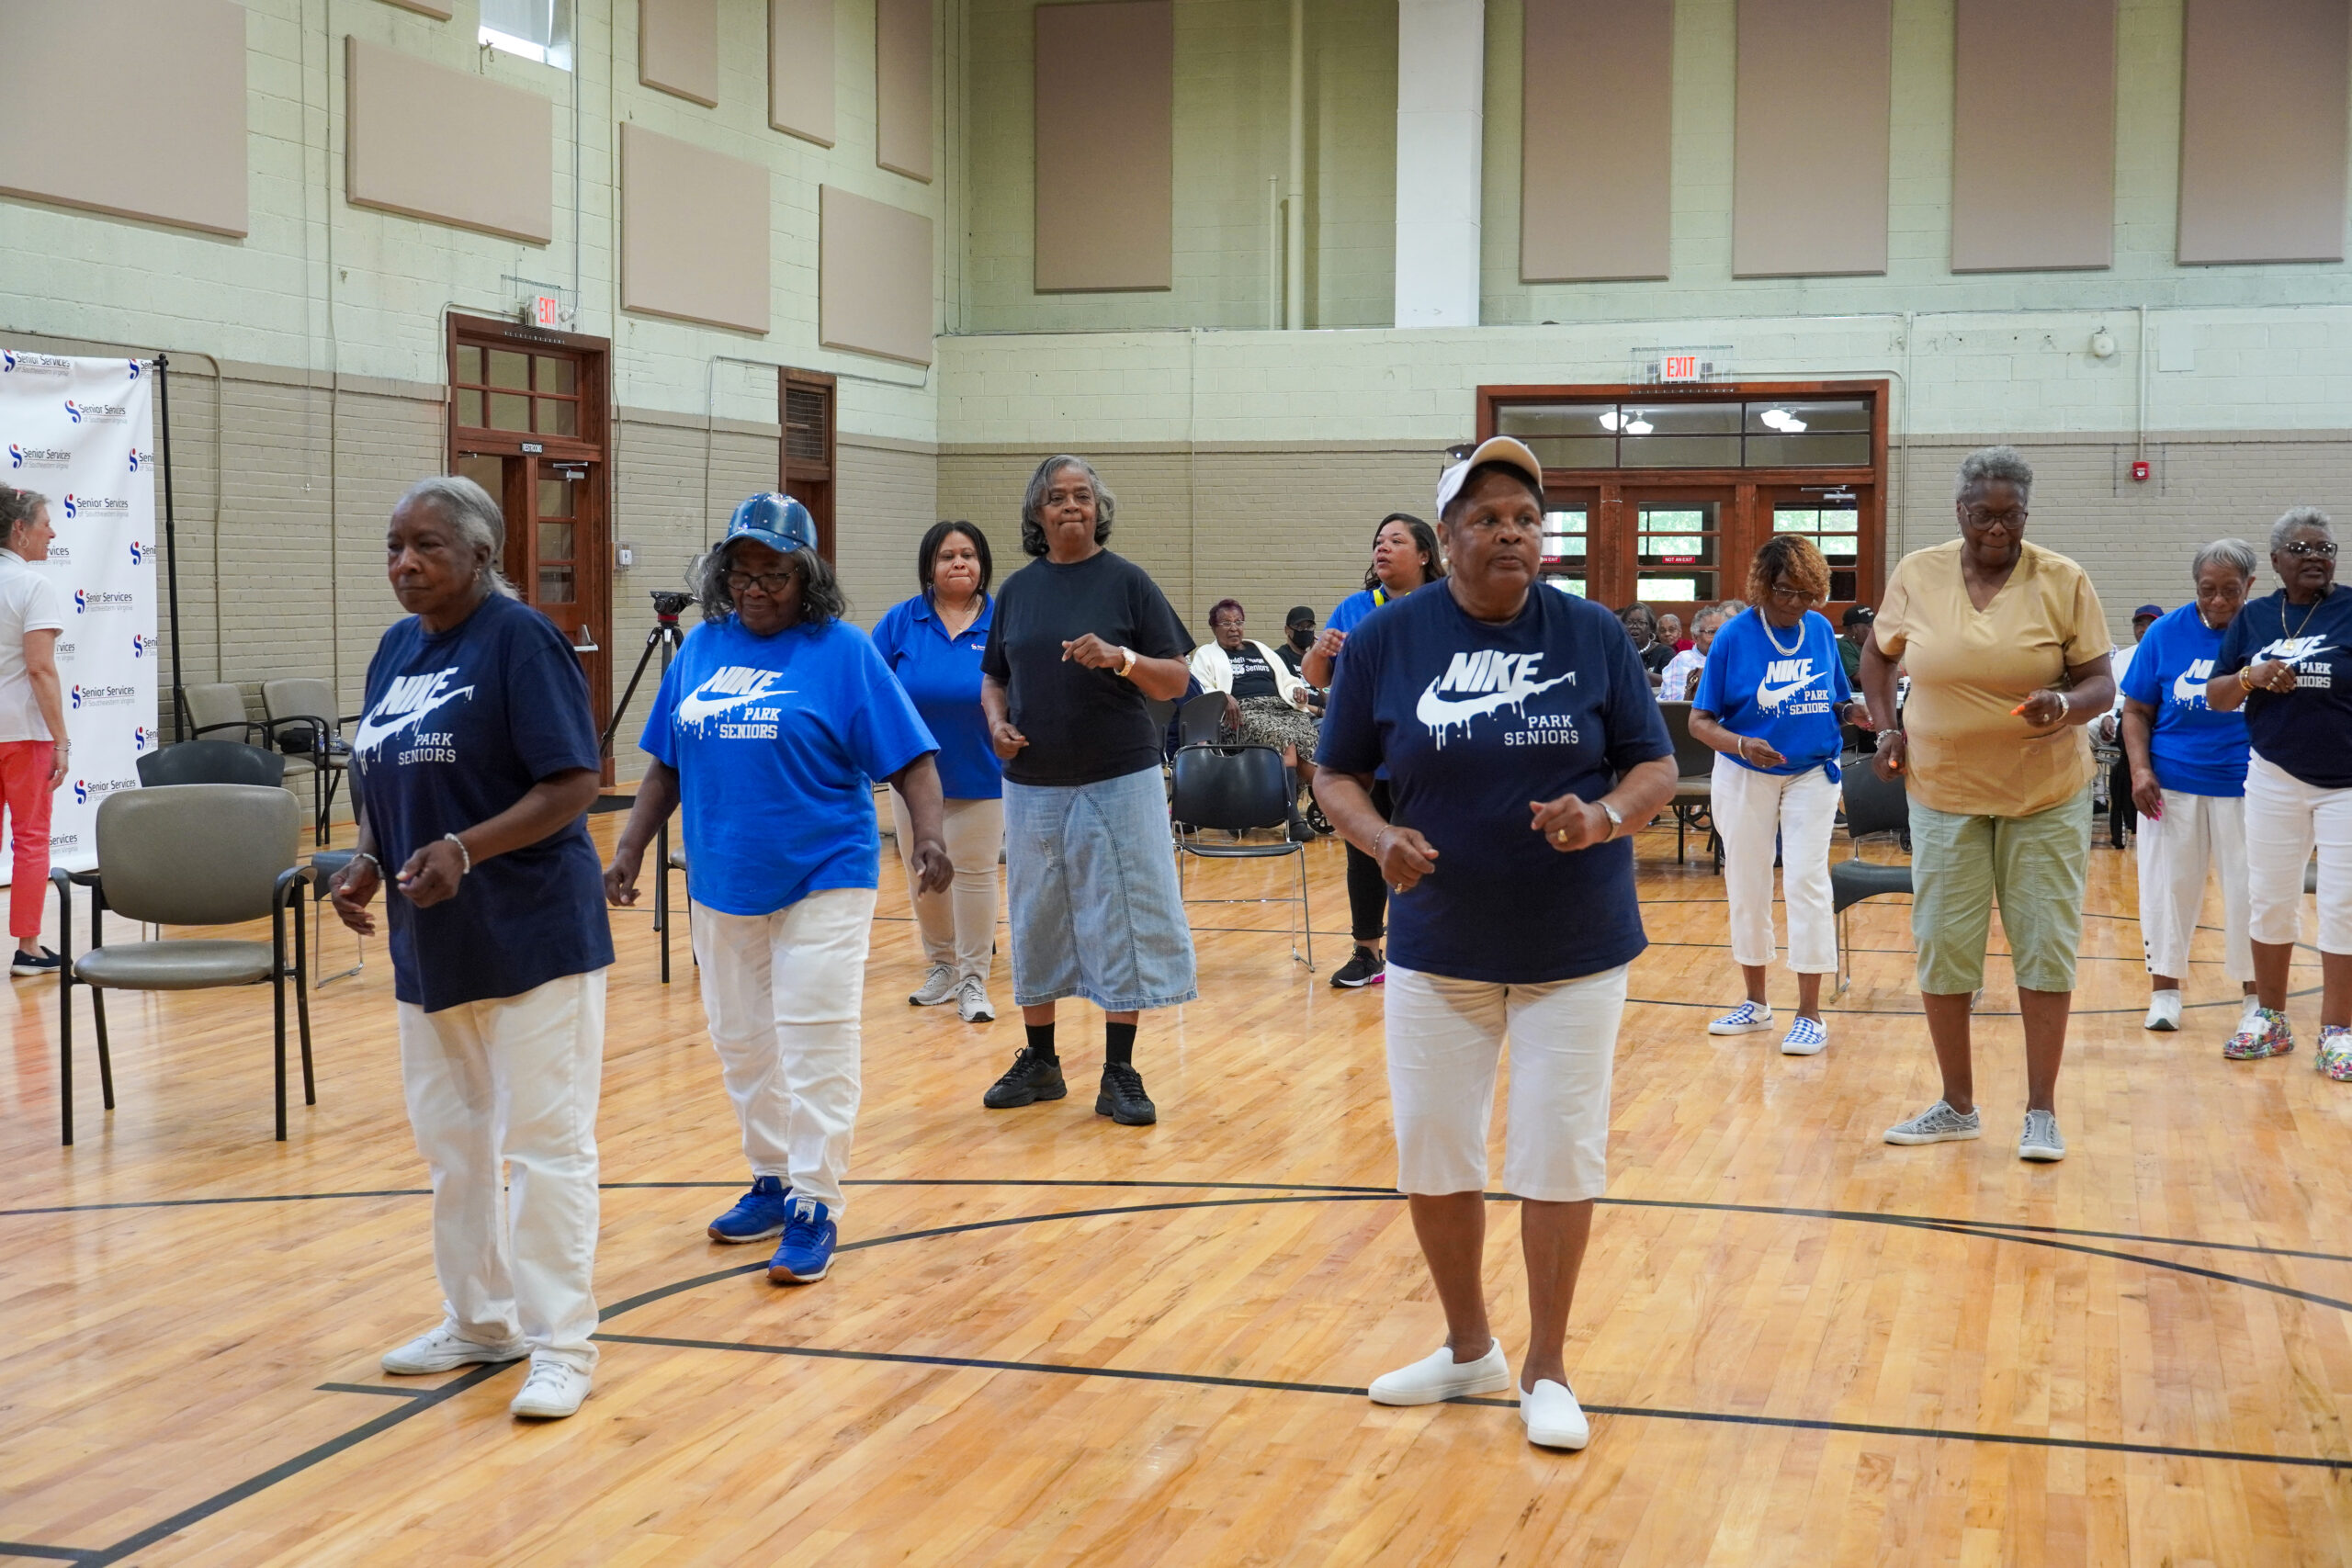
(546, 310)
(1679, 367)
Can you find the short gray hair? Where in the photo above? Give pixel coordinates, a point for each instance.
(2296, 517)
(2235, 554)
(1032, 505)
(1995, 465)
(19, 507)
(472, 514)
(1713, 614)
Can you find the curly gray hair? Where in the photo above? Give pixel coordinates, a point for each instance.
(821, 599)
(1032, 505)
(18, 507)
(1995, 465)
(2235, 554)
(2296, 517)
(473, 514)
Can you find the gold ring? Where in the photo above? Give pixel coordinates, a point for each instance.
(1559, 835)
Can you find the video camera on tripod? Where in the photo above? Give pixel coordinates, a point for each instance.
(669, 603)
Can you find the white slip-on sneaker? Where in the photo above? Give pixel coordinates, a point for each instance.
(441, 1349)
(2039, 1140)
(1806, 1037)
(1940, 1123)
(1554, 1419)
(1747, 1018)
(552, 1391)
(937, 987)
(1437, 1377)
(2164, 1011)
(972, 1002)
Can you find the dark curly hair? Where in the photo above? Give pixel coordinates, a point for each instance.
(821, 599)
(1032, 505)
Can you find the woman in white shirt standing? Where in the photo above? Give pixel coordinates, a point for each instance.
(33, 744)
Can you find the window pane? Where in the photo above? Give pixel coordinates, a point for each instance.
(555, 541)
(555, 374)
(1574, 451)
(1810, 450)
(1564, 534)
(1843, 585)
(470, 363)
(487, 472)
(1682, 419)
(558, 417)
(509, 368)
(1678, 451)
(554, 585)
(1657, 588)
(510, 410)
(556, 499)
(470, 410)
(1677, 535)
(1556, 418)
(1567, 584)
(1799, 416)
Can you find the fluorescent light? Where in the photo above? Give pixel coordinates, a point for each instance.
(1637, 425)
(1610, 419)
(1782, 421)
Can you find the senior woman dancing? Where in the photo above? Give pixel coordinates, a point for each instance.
(2188, 763)
(1264, 702)
(475, 759)
(1520, 742)
(771, 725)
(1769, 700)
(1081, 637)
(2006, 648)
(2288, 660)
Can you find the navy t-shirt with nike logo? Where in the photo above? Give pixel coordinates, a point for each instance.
(1474, 721)
(457, 725)
(2308, 731)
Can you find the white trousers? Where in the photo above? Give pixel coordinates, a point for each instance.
(1445, 1040)
(2197, 833)
(2284, 818)
(1752, 811)
(958, 926)
(782, 994)
(512, 1082)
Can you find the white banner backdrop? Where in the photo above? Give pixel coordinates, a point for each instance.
(81, 432)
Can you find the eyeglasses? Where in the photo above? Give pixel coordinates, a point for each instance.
(1979, 517)
(2323, 548)
(771, 583)
(1795, 596)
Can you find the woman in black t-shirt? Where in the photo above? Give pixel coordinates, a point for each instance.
(1080, 639)
(1265, 703)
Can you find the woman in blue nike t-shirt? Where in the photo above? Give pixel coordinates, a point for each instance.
(1522, 745)
(1770, 700)
(771, 727)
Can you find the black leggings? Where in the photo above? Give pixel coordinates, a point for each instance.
(1367, 889)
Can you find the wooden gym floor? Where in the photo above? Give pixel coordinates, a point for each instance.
(1049, 1339)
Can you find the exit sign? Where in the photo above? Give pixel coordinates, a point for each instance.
(1678, 367)
(547, 311)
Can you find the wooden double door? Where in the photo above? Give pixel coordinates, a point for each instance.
(1677, 542)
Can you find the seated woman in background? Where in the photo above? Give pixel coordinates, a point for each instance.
(1681, 675)
(1641, 624)
(1265, 705)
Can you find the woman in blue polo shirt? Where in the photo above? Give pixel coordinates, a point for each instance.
(771, 725)
(933, 642)
(2189, 767)
(1769, 700)
(1520, 742)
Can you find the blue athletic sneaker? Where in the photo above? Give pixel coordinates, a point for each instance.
(808, 1249)
(756, 1215)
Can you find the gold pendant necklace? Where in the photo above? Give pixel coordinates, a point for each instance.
(2298, 632)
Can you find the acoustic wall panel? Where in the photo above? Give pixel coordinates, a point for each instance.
(695, 230)
(677, 48)
(1105, 145)
(873, 278)
(2262, 130)
(135, 107)
(2033, 135)
(1595, 175)
(800, 68)
(446, 145)
(1809, 159)
(903, 87)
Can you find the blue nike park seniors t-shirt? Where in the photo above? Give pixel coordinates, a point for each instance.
(777, 741)
(2196, 750)
(1474, 721)
(942, 675)
(1789, 701)
(457, 725)
(2306, 732)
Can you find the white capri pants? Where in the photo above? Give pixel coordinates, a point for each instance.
(2284, 818)
(1751, 810)
(512, 1084)
(2197, 833)
(782, 994)
(1445, 1040)
(958, 925)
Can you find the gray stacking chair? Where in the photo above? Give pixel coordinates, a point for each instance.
(1694, 788)
(1873, 806)
(211, 761)
(1237, 788)
(302, 723)
(202, 855)
(215, 709)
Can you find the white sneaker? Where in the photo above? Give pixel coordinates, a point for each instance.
(1805, 1038)
(2039, 1140)
(2164, 1010)
(552, 1391)
(439, 1350)
(937, 987)
(972, 1000)
(1554, 1419)
(1437, 1377)
(1747, 1018)
(1940, 1123)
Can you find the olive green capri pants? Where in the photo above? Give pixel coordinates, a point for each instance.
(2036, 866)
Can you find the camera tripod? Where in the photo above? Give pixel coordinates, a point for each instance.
(665, 635)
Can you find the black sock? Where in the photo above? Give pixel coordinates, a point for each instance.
(1041, 1041)
(1119, 1044)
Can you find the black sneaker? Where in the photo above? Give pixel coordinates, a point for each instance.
(1123, 1098)
(1300, 833)
(1030, 1078)
(45, 963)
(1360, 971)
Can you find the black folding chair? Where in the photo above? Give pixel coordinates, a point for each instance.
(1234, 789)
(1201, 722)
(1694, 788)
(1873, 806)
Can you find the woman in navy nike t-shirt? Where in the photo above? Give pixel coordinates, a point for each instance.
(1522, 745)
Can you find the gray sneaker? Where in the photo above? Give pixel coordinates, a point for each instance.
(937, 987)
(1940, 1123)
(972, 1000)
(2040, 1140)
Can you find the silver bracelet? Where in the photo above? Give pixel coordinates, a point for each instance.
(462, 851)
(362, 855)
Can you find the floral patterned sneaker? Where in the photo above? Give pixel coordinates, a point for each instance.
(2335, 1056)
(2262, 1032)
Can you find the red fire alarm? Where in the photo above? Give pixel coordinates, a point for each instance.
(2139, 471)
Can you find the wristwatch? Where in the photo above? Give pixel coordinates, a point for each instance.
(1616, 823)
(1126, 660)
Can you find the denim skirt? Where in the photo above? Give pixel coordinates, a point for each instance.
(1091, 894)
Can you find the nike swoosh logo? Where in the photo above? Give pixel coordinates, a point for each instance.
(1441, 713)
(2188, 690)
(1770, 696)
(372, 734)
(697, 708)
(2309, 653)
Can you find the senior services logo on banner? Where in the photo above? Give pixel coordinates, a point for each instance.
(81, 433)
